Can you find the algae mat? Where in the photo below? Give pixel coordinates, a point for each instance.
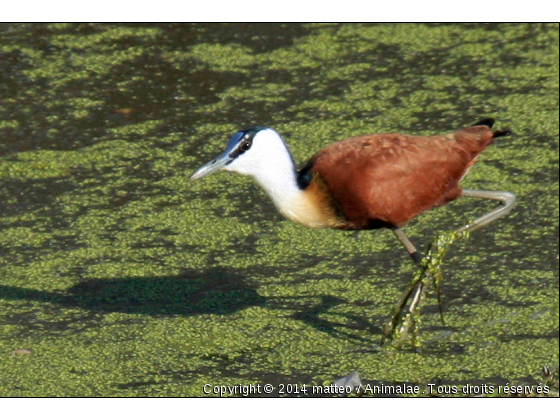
(118, 278)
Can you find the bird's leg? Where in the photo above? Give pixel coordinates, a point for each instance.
(507, 199)
(403, 320)
(409, 246)
(416, 257)
(416, 289)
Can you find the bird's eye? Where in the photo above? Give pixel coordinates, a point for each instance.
(245, 145)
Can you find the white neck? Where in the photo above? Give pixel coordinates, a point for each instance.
(271, 164)
(279, 181)
(297, 205)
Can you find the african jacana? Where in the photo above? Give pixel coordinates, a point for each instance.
(364, 182)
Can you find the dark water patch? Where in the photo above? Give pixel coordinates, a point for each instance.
(23, 255)
(145, 86)
(260, 37)
(458, 295)
(554, 335)
(19, 196)
(140, 384)
(55, 324)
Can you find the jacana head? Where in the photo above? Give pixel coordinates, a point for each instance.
(253, 151)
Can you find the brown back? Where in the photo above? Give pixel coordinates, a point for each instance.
(387, 179)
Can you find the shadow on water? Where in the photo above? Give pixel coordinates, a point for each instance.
(310, 315)
(192, 293)
(213, 291)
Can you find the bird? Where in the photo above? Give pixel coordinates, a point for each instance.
(365, 182)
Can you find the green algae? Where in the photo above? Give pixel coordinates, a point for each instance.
(122, 279)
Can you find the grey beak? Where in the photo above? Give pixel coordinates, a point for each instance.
(217, 163)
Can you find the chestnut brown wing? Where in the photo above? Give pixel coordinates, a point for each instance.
(388, 179)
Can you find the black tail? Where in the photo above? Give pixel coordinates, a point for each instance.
(489, 122)
(500, 133)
